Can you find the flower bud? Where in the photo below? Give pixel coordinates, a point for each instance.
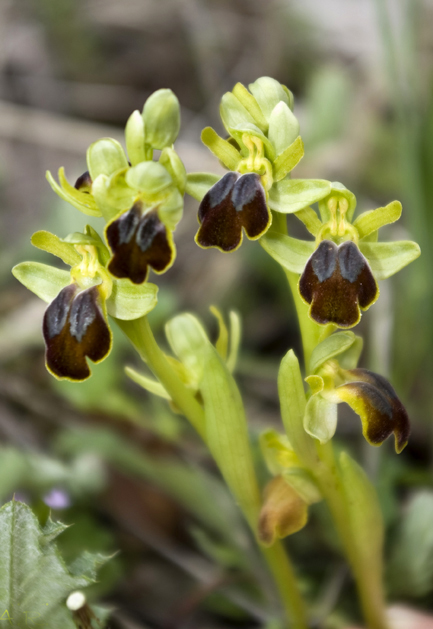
(283, 512)
(161, 116)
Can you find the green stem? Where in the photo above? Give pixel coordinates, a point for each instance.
(141, 336)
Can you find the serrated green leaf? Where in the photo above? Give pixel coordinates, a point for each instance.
(43, 280)
(153, 386)
(34, 581)
(369, 222)
(53, 244)
(151, 178)
(51, 530)
(310, 219)
(251, 105)
(161, 116)
(105, 157)
(292, 195)
(198, 184)
(130, 301)
(283, 127)
(387, 258)
(290, 252)
(268, 93)
(174, 166)
(331, 347)
(288, 159)
(320, 419)
(88, 564)
(293, 402)
(81, 201)
(222, 149)
(134, 138)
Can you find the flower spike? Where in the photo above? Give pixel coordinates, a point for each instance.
(139, 241)
(234, 202)
(74, 327)
(337, 282)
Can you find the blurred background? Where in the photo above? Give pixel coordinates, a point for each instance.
(127, 472)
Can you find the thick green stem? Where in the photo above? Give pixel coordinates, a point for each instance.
(141, 336)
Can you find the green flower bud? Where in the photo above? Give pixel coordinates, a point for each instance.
(134, 137)
(161, 116)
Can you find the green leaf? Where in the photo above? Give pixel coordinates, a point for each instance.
(34, 581)
(131, 301)
(331, 347)
(222, 149)
(233, 113)
(53, 244)
(198, 184)
(80, 200)
(153, 386)
(293, 402)
(283, 127)
(339, 191)
(369, 222)
(365, 519)
(387, 258)
(310, 219)
(320, 419)
(105, 157)
(151, 178)
(161, 115)
(174, 166)
(290, 252)
(268, 93)
(43, 280)
(288, 159)
(251, 105)
(134, 138)
(302, 481)
(292, 195)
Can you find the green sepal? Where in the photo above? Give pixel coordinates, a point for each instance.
(369, 222)
(330, 348)
(131, 301)
(111, 198)
(222, 149)
(161, 116)
(251, 105)
(150, 178)
(366, 520)
(134, 138)
(310, 219)
(283, 127)
(170, 210)
(53, 244)
(293, 401)
(373, 237)
(268, 93)
(302, 481)
(387, 258)
(234, 114)
(290, 252)
(320, 420)
(291, 195)
(174, 166)
(83, 202)
(153, 386)
(337, 190)
(198, 184)
(43, 280)
(105, 157)
(288, 159)
(350, 358)
(277, 452)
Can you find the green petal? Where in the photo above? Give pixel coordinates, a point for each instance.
(292, 195)
(53, 244)
(291, 253)
(233, 113)
(283, 127)
(310, 219)
(288, 159)
(151, 178)
(131, 301)
(43, 280)
(153, 386)
(161, 115)
(368, 222)
(331, 347)
(198, 184)
(387, 258)
(105, 157)
(320, 419)
(251, 105)
(268, 93)
(222, 149)
(134, 138)
(81, 201)
(174, 166)
(235, 339)
(338, 190)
